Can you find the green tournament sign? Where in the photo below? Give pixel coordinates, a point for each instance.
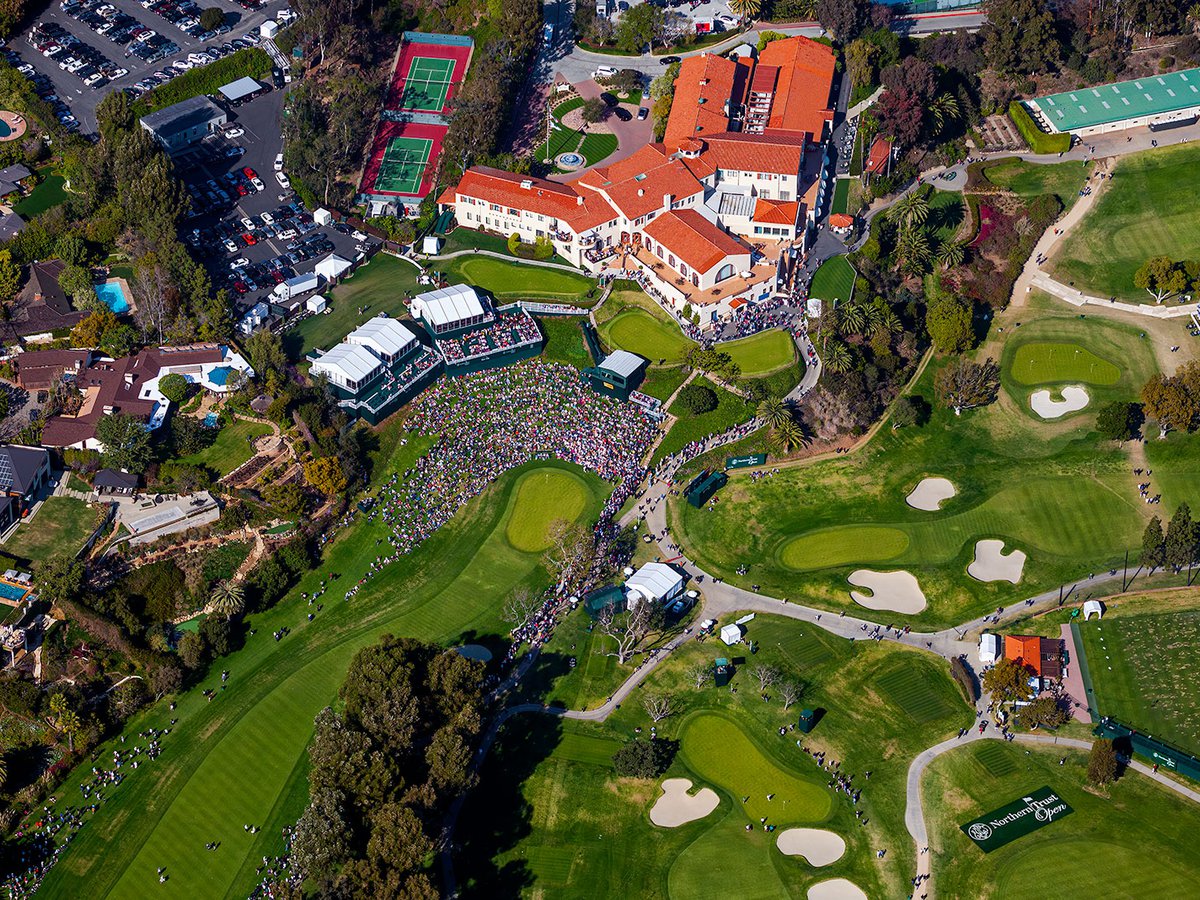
(743, 462)
(1033, 811)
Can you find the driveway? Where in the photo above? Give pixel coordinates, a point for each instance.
(632, 135)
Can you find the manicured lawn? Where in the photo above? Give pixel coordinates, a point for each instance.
(596, 147)
(1134, 840)
(1145, 672)
(515, 281)
(1055, 347)
(230, 449)
(60, 527)
(47, 194)
(1176, 465)
(731, 410)
(1051, 490)
(572, 828)
(945, 213)
(1027, 179)
(841, 196)
(564, 341)
(377, 287)
(637, 331)
(241, 757)
(762, 353)
(542, 499)
(834, 280)
(1147, 210)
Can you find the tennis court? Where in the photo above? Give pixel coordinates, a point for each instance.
(426, 84)
(403, 165)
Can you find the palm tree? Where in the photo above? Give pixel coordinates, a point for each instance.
(774, 412)
(837, 358)
(888, 321)
(943, 109)
(1193, 15)
(228, 599)
(853, 318)
(58, 706)
(745, 9)
(913, 250)
(789, 436)
(910, 211)
(950, 254)
(3, 771)
(68, 724)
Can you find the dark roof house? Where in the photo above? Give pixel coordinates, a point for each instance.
(42, 305)
(39, 370)
(22, 469)
(10, 176)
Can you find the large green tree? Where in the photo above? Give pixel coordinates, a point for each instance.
(1019, 36)
(126, 441)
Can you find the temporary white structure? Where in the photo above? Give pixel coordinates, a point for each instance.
(656, 582)
(322, 216)
(989, 648)
(348, 366)
(432, 244)
(316, 304)
(332, 267)
(1092, 608)
(383, 336)
(731, 634)
(451, 308)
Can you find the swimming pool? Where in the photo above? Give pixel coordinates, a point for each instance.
(112, 295)
(12, 591)
(5, 130)
(212, 420)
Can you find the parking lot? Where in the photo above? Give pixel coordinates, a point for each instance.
(251, 237)
(142, 34)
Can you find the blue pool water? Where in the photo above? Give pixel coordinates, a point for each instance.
(12, 591)
(220, 375)
(212, 420)
(5, 130)
(112, 296)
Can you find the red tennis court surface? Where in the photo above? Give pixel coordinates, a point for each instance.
(387, 131)
(411, 51)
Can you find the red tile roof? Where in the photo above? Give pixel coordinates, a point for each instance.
(704, 89)
(637, 185)
(694, 239)
(780, 154)
(805, 81)
(549, 198)
(775, 212)
(841, 220)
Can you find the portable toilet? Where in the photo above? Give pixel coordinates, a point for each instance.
(808, 719)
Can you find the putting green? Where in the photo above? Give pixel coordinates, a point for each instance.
(762, 353)
(720, 753)
(843, 546)
(726, 848)
(541, 499)
(1045, 362)
(514, 279)
(834, 280)
(639, 332)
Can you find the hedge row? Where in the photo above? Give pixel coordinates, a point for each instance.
(1038, 140)
(252, 61)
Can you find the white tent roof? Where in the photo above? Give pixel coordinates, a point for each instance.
(654, 581)
(989, 647)
(243, 87)
(384, 335)
(332, 266)
(431, 244)
(622, 362)
(347, 362)
(731, 634)
(447, 305)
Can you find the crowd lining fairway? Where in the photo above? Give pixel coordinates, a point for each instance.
(426, 84)
(843, 545)
(403, 166)
(542, 499)
(639, 332)
(1146, 673)
(1146, 210)
(834, 280)
(1049, 363)
(1134, 840)
(762, 353)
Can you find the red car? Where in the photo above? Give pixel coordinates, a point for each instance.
(249, 172)
(242, 190)
(240, 287)
(250, 239)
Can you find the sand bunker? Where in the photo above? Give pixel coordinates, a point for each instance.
(818, 846)
(991, 564)
(1074, 399)
(836, 889)
(929, 494)
(894, 591)
(676, 807)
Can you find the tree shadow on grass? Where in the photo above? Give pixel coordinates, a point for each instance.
(496, 816)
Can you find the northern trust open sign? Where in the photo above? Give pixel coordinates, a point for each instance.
(1031, 812)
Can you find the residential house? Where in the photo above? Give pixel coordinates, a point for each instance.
(42, 307)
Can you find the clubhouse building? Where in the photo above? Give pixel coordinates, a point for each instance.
(702, 219)
(1157, 102)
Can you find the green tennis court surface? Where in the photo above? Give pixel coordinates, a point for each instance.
(426, 84)
(403, 165)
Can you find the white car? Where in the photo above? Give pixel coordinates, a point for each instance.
(358, 236)
(234, 132)
(247, 223)
(239, 262)
(283, 180)
(278, 162)
(267, 218)
(257, 182)
(230, 245)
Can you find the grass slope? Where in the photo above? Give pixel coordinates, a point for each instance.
(543, 498)
(1104, 849)
(230, 449)
(60, 527)
(638, 331)
(1146, 211)
(241, 757)
(834, 280)
(762, 353)
(1063, 180)
(514, 280)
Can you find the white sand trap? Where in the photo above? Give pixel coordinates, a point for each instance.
(930, 493)
(894, 591)
(1074, 399)
(991, 564)
(677, 807)
(836, 889)
(818, 846)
